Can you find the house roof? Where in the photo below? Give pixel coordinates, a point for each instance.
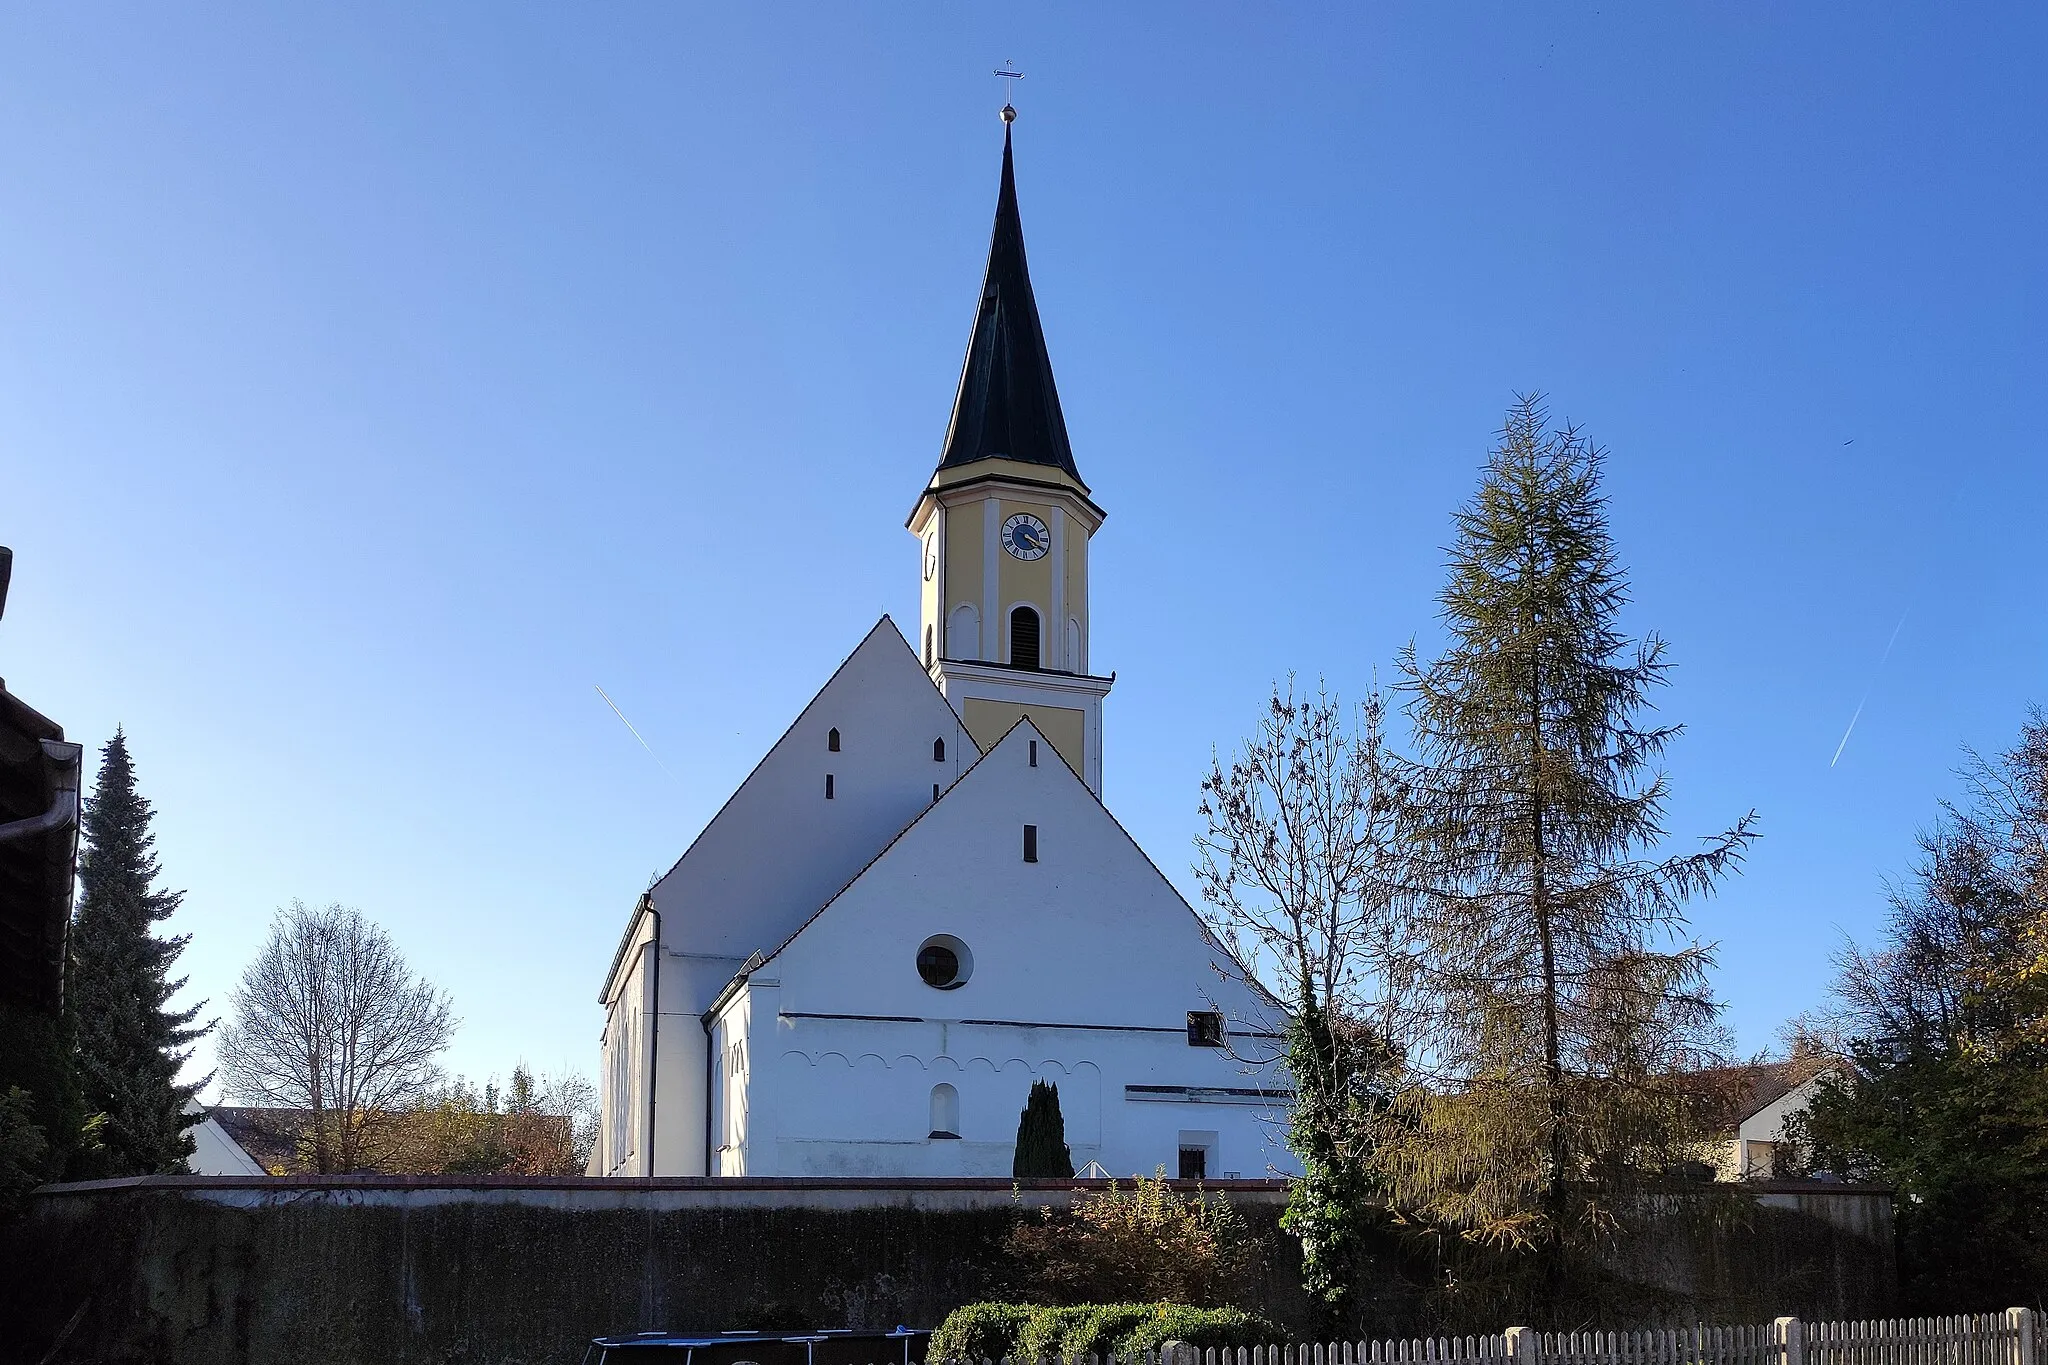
(36, 869)
(1007, 406)
(1738, 1093)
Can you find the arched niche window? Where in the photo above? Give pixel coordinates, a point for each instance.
(939, 750)
(832, 739)
(963, 633)
(1024, 638)
(945, 1111)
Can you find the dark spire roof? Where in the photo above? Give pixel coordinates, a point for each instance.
(1007, 405)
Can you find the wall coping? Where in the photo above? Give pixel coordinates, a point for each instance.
(758, 1184)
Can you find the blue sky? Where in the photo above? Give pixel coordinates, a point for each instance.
(375, 380)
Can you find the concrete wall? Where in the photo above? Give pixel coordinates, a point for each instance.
(382, 1269)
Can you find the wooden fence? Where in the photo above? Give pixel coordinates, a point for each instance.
(2006, 1338)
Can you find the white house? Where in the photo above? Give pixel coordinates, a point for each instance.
(214, 1149)
(917, 904)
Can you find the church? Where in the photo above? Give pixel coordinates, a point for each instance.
(917, 905)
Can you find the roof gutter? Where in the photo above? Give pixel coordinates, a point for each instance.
(69, 760)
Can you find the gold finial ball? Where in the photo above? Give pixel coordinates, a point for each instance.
(1009, 114)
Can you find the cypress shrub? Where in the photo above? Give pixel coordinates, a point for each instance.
(1042, 1138)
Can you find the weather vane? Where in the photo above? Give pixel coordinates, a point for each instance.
(1009, 110)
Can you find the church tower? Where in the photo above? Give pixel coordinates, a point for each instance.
(1004, 526)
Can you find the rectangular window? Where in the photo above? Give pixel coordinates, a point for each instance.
(1034, 753)
(1030, 843)
(828, 786)
(1194, 1163)
(935, 791)
(1205, 1028)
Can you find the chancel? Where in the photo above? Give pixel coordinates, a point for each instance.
(917, 904)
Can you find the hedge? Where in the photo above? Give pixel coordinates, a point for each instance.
(990, 1331)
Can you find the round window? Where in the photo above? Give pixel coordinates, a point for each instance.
(944, 962)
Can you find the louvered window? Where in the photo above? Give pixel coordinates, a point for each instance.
(1024, 638)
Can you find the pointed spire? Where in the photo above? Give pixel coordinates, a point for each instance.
(1007, 405)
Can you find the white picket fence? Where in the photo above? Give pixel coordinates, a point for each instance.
(2006, 1338)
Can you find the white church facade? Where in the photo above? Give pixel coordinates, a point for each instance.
(917, 904)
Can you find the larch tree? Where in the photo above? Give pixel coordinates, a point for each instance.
(132, 1044)
(1567, 997)
(330, 1021)
(1301, 873)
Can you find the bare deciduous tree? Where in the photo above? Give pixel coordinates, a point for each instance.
(330, 1020)
(1300, 871)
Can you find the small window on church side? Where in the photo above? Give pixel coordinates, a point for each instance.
(1030, 843)
(927, 646)
(828, 786)
(1194, 1163)
(832, 740)
(935, 791)
(938, 751)
(1034, 753)
(1205, 1028)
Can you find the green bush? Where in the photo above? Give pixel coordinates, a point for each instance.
(980, 1331)
(1201, 1328)
(1046, 1331)
(1101, 1326)
(990, 1331)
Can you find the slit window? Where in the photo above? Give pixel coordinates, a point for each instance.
(832, 740)
(828, 786)
(1024, 638)
(1034, 753)
(1030, 843)
(927, 646)
(935, 791)
(1205, 1028)
(938, 751)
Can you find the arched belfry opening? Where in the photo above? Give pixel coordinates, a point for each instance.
(1024, 638)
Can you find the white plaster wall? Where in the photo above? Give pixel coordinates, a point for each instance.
(779, 849)
(214, 1152)
(1091, 934)
(622, 1069)
(1768, 1123)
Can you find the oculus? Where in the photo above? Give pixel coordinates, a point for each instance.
(943, 962)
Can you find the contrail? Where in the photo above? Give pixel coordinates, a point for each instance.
(643, 739)
(1848, 732)
(1866, 691)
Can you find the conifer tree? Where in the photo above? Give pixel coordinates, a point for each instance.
(1568, 995)
(131, 1042)
(1042, 1137)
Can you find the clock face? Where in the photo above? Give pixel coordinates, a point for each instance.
(1025, 537)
